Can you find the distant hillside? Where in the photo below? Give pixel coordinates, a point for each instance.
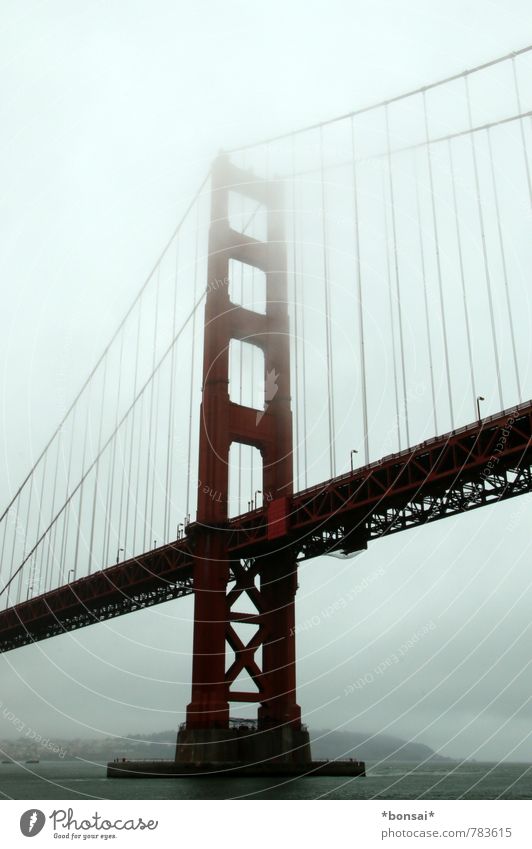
(326, 744)
(381, 747)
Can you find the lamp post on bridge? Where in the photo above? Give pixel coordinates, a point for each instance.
(118, 555)
(353, 451)
(479, 399)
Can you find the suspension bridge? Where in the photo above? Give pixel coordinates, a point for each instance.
(332, 347)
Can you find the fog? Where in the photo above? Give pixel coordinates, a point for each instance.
(112, 114)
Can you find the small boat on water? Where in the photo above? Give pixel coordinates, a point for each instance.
(32, 761)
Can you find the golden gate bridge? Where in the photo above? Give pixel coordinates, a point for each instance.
(332, 347)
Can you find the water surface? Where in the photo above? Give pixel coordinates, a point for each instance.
(79, 779)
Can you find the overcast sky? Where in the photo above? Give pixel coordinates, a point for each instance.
(110, 115)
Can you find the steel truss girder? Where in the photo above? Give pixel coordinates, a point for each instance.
(451, 474)
(462, 499)
(473, 466)
(149, 579)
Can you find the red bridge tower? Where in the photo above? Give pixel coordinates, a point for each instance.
(208, 735)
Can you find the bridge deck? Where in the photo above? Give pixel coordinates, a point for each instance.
(473, 466)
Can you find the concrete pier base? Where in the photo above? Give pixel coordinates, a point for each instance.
(241, 750)
(245, 743)
(174, 769)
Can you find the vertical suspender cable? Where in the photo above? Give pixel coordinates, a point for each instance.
(66, 521)
(250, 357)
(111, 480)
(32, 484)
(39, 548)
(504, 266)
(397, 276)
(52, 542)
(137, 484)
(127, 487)
(390, 309)
(31, 576)
(358, 267)
(251, 449)
(438, 260)
(252, 453)
(462, 279)
(484, 248)
(193, 354)
(330, 379)
(171, 411)
(28, 514)
(425, 295)
(522, 129)
(253, 401)
(21, 570)
(97, 467)
(304, 375)
(157, 382)
(41, 507)
(151, 405)
(16, 507)
(240, 387)
(52, 538)
(6, 522)
(240, 349)
(296, 315)
(82, 488)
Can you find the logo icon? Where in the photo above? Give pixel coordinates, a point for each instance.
(32, 822)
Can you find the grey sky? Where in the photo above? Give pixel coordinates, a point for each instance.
(111, 114)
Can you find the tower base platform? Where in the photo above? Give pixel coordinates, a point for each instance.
(242, 749)
(175, 769)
